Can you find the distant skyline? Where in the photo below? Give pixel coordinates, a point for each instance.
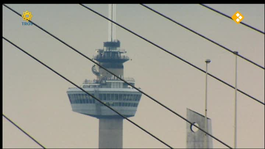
(36, 99)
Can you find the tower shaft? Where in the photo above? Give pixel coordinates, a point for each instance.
(110, 132)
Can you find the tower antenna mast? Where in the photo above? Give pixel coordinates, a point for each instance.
(112, 26)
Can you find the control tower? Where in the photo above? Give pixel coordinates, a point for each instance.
(108, 89)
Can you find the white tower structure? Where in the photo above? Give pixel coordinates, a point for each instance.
(195, 137)
(108, 89)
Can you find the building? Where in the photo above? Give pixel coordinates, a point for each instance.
(112, 91)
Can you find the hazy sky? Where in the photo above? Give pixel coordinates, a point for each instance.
(35, 98)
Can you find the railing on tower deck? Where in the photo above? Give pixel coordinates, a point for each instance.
(97, 84)
(108, 57)
(128, 79)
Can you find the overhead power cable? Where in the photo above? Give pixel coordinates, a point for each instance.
(260, 31)
(135, 124)
(214, 42)
(23, 131)
(120, 78)
(172, 54)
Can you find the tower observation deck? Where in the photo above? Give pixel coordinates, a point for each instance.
(106, 87)
(110, 90)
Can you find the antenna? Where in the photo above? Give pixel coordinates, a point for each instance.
(205, 117)
(112, 27)
(235, 115)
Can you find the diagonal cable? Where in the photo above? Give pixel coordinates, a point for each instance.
(71, 47)
(23, 131)
(63, 77)
(214, 42)
(105, 103)
(172, 54)
(231, 18)
(115, 75)
(120, 78)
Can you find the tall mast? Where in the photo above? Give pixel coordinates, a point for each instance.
(112, 26)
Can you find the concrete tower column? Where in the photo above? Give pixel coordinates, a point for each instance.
(108, 89)
(110, 132)
(195, 138)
